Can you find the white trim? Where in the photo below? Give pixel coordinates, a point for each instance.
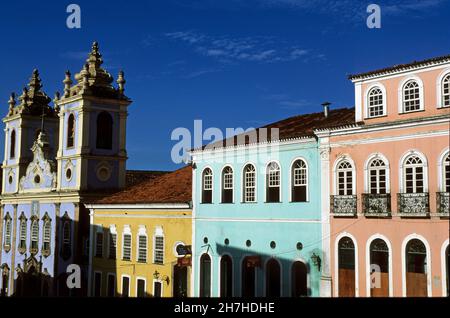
(127, 231)
(428, 260)
(141, 232)
(336, 262)
(107, 284)
(366, 100)
(308, 276)
(159, 232)
(376, 155)
(401, 86)
(291, 177)
(203, 184)
(145, 285)
(266, 182)
(121, 284)
(219, 275)
(444, 265)
(338, 160)
(211, 273)
(243, 182)
(358, 100)
(439, 93)
(144, 206)
(222, 185)
(441, 171)
(153, 287)
(389, 245)
(265, 276)
(403, 158)
(174, 249)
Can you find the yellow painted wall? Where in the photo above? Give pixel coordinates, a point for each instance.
(176, 225)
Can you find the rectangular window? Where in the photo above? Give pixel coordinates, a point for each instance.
(111, 287)
(99, 245)
(125, 286)
(140, 287)
(250, 187)
(142, 248)
(8, 233)
(159, 250)
(97, 284)
(47, 234)
(157, 289)
(126, 247)
(112, 245)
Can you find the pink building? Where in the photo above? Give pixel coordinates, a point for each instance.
(389, 177)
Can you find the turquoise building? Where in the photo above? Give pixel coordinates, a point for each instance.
(258, 226)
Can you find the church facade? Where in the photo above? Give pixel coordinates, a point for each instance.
(56, 159)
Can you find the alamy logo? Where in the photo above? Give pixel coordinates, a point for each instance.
(375, 276)
(74, 19)
(74, 276)
(374, 19)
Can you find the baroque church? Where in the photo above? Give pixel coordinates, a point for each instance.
(56, 159)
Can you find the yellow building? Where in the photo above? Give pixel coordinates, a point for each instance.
(140, 239)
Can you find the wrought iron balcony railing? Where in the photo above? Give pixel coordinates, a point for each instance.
(376, 204)
(413, 204)
(343, 205)
(443, 203)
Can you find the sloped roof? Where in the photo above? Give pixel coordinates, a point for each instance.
(173, 187)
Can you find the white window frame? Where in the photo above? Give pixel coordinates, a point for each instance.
(46, 239)
(336, 262)
(267, 179)
(203, 184)
(112, 231)
(99, 230)
(402, 176)
(121, 284)
(441, 169)
(34, 237)
(159, 232)
(23, 232)
(367, 170)
(367, 97)
(142, 232)
(401, 109)
(244, 187)
(291, 177)
(335, 174)
(127, 231)
(222, 181)
(8, 228)
(145, 285)
(390, 274)
(444, 267)
(440, 88)
(107, 283)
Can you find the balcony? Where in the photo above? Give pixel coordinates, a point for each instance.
(443, 204)
(343, 205)
(376, 205)
(413, 204)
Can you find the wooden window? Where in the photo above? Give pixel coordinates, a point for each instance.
(126, 252)
(446, 173)
(227, 185)
(249, 183)
(416, 269)
(299, 181)
(446, 91)
(377, 177)
(411, 96)
(207, 186)
(12, 145)
(158, 256)
(414, 175)
(273, 182)
(375, 102)
(346, 265)
(112, 245)
(345, 178)
(70, 131)
(142, 248)
(104, 131)
(99, 244)
(379, 260)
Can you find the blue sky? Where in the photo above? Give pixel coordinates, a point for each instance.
(231, 63)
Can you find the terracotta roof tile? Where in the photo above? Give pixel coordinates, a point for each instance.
(173, 187)
(133, 177)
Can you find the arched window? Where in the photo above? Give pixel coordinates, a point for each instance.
(273, 278)
(345, 178)
(46, 236)
(126, 246)
(34, 236)
(70, 131)
(377, 176)
(142, 248)
(299, 181)
(249, 183)
(205, 276)
(446, 91)
(299, 277)
(104, 131)
(66, 239)
(379, 268)
(23, 235)
(416, 269)
(414, 170)
(227, 185)
(12, 145)
(375, 102)
(226, 276)
(446, 173)
(158, 246)
(411, 96)
(248, 275)
(207, 184)
(273, 182)
(7, 241)
(346, 264)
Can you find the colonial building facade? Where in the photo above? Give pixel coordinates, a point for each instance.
(257, 220)
(141, 239)
(389, 177)
(56, 158)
